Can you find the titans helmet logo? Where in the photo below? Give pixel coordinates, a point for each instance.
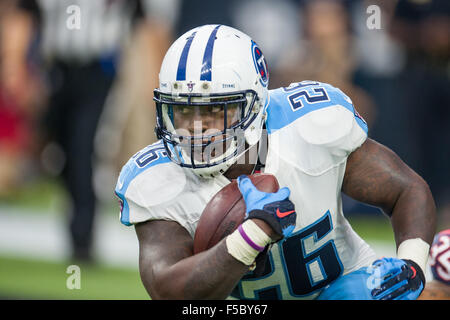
(260, 64)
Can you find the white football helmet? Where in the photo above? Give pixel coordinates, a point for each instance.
(218, 73)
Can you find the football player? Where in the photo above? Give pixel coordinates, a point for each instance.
(214, 111)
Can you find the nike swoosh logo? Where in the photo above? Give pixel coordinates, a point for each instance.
(283, 214)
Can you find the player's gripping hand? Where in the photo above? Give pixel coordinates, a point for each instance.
(274, 208)
(399, 279)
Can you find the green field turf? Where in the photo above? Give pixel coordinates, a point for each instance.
(372, 227)
(37, 194)
(33, 279)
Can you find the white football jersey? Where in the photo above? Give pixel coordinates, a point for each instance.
(312, 128)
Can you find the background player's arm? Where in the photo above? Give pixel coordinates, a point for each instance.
(375, 175)
(169, 270)
(16, 33)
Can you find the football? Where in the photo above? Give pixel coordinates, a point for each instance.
(435, 290)
(226, 211)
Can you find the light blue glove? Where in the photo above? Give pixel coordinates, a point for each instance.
(274, 208)
(398, 279)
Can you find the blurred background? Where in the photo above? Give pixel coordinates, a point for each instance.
(76, 88)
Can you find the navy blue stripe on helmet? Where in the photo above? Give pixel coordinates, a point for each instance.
(207, 57)
(181, 72)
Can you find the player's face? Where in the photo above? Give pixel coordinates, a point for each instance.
(202, 122)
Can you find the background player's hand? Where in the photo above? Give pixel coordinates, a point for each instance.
(274, 208)
(398, 279)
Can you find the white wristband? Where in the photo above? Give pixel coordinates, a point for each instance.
(416, 250)
(246, 242)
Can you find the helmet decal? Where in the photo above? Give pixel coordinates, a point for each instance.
(190, 86)
(207, 57)
(181, 73)
(260, 64)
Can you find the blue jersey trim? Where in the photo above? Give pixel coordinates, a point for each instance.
(281, 112)
(181, 72)
(207, 57)
(361, 123)
(125, 210)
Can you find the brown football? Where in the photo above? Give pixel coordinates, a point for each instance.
(435, 290)
(226, 211)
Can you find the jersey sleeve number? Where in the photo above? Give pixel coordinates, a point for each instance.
(148, 156)
(310, 91)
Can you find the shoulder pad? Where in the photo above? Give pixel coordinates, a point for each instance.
(151, 173)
